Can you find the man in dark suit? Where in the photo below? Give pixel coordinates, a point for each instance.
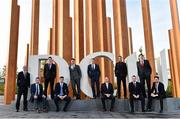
(107, 93)
(61, 94)
(49, 75)
(144, 72)
(135, 93)
(75, 76)
(37, 95)
(94, 74)
(121, 73)
(157, 92)
(23, 83)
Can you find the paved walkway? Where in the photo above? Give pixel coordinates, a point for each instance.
(8, 111)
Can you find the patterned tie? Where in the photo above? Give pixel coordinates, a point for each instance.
(61, 89)
(37, 89)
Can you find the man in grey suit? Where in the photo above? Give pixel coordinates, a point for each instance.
(75, 76)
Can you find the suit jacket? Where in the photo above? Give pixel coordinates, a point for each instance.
(161, 91)
(58, 89)
(94, 73)
(104, 89)
(121, 69)
(144, 71)
(49, 73)
(136, 90)
(75, 73)
(33, 91)
(23, 81)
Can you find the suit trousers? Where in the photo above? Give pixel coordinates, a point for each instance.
(51, 86)
(20, 93)
(141, 98)
(150, 99)
(66, 99)
(112, 98)
(93, 83)
(123, 79)
(148, 82)
(76, 83)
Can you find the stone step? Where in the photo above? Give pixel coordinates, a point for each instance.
(121, 105)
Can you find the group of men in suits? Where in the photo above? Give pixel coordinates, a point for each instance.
(136, 89)
(136, 93)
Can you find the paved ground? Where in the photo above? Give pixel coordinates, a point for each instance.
(8, 111)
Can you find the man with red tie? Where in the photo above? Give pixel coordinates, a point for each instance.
(144, 72)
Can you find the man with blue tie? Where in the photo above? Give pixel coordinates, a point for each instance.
(94, 74)
(37, 95)
(61, 94)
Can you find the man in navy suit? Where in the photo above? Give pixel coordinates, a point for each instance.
(37, 95)
(135, 93)
(157, 92)
(94, 74)
(107, 93)
(61, 94)
(23, 83)
(49, 75)
(144, 72)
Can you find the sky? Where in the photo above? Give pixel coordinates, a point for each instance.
(160, 18)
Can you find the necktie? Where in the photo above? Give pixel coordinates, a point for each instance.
(37, 89)
(157, 88)
(49, 66)
(134, 84)
(61, 89)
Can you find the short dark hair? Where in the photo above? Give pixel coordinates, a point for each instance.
(133, 75)
(62, 77)
(120, 56)
(49, 57)
(37, 77)
(72, 58)
(156, 76)
(141, 55)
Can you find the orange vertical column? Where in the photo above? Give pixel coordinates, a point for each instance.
(108, 64)
(148, 34)
(176, 34)
(27, 55)
(78, 30)
(54, 43)
(9, 93)
(130, 40)
(64, 30)
(172, 73)
(175, 70)
(120, 28)
(88, 27)
(35, 27)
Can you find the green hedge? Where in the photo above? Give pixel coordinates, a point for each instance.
(1, 88)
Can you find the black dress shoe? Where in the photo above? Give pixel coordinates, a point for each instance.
(132, 111)
(57, 110)
(111, 110)
(149, 110)
(104, 109)
(17, 110)
(161, 111)
(143, 110)
(65, 110)
(25, 109)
